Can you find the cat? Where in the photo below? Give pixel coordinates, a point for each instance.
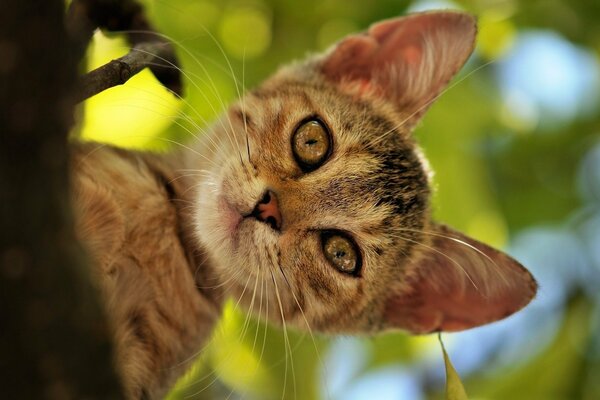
(310, 185)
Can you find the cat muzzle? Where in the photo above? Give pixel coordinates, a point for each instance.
(267, 211)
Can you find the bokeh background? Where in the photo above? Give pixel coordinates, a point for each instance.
(515, 143)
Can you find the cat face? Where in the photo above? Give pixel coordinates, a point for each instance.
(315, 204)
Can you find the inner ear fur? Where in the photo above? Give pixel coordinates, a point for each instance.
(458, 283)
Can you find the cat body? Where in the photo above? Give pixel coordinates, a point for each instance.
(129, 223)
(310, 186)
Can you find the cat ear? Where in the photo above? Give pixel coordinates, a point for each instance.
(406, 60)
(459, 283)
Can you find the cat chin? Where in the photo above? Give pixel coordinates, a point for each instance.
(227, 235)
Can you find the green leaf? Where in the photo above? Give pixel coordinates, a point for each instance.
(454, 387)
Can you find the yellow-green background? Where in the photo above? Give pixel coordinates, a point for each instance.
(509, 171)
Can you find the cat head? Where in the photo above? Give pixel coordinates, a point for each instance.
(314, 206)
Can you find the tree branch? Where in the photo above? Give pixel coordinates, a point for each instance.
(119, 71)
(127, 16)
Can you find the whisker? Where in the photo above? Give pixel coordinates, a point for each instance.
(310, 331)
(260, 297)
(244, 105)
(443, 254)
(228, 357)
(235, 81)
(212, 83)
(466, 244)
(286, 338)
(428, 103)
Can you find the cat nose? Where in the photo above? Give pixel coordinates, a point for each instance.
(267, 210)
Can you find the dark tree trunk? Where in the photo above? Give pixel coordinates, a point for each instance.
(54, 342)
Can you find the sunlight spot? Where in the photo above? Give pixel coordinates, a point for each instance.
(561, 79)
(233, 360)
(345, 359)
(555, 257)
(528, 117)
(246, 32)
(390, 383)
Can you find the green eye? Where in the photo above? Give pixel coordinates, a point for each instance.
(311, 145)
(341, 252)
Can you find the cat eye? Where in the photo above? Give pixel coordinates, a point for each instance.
(341, 252)
(311, 145)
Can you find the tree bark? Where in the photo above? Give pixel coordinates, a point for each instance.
(54, 341)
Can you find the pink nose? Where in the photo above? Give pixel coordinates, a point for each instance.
(267, 210)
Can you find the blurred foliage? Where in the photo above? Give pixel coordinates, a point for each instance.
(499, 177)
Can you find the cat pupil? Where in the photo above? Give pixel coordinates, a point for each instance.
(341, 252)
(311, 145)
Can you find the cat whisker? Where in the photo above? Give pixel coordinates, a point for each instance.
(184, 116)
(310, 331)
(189, 75)
(431, 101)
(246, 324)
(235, 307)
(186, 74)
(244, 106)
(178, 177)
(251, 307)
(208, 135)
(285, 335)
(90, 153)
(198, 172)
(207, 183)
(231, 352)
(180, 113)
(209, 177)
(264, 342)
(463, 243)
(235, 80)
(170, 140)
(187, 203)
(207, 376)
(260, 307)
(228, 283)
(124, 104)
(230, 134)
(442, 254)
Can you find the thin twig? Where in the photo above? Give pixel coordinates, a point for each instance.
(119, 71)
(85, 16)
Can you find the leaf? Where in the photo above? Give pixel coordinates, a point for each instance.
(454, 387)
